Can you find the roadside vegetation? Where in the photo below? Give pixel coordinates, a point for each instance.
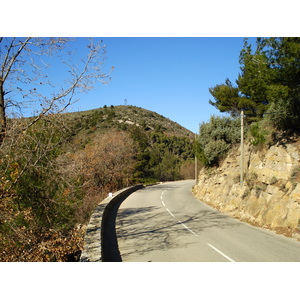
(55, 167)
(267, 91)
(54, 176)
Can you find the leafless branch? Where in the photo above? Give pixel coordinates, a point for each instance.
(20, 68)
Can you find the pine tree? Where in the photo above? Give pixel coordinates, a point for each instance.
(269, 82)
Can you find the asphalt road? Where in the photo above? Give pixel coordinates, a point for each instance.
(165, 223)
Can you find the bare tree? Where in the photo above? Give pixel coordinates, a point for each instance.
(42, 75)
(39, 78)
(29, 68)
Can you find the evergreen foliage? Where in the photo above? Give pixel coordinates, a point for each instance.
(257, 133)
(160, 156)
(269, 83)
(216, 137)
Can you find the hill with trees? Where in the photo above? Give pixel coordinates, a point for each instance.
(55, 167)
(53, 176)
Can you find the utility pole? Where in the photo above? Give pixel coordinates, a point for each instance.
(242, 149)
(196, 169)
(196, 161)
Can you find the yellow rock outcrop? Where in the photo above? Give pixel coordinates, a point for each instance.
(270, 194)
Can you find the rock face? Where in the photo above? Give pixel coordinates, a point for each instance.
(270, 194)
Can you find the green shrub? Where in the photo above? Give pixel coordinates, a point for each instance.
(295, 173)
(251, 179)
(295, 176)
(216, 138)
(214, 150)
(258, 134)
(273, 180)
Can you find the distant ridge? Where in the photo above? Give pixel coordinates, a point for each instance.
(125, 116)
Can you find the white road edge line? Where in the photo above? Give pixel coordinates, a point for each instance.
(163, 203)
(220, 252)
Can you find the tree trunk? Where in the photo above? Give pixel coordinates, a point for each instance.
(2, 112)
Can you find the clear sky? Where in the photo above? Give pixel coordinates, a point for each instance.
(170, 76)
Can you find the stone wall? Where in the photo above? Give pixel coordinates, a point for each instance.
(270, 194)
(100, 241)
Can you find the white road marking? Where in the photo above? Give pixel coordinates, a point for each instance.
(170, 212)
(163, 203)
(161, 196)
(191, 231)
(220, 252)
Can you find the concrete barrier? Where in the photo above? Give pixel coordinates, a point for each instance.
(100, 242)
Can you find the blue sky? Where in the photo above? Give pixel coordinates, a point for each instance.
(170, 76)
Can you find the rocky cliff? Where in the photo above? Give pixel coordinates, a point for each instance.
(270, 194)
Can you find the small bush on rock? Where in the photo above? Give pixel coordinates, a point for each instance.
(217, 136)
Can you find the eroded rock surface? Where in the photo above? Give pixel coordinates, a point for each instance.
(270, 194)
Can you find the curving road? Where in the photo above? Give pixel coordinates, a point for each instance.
(165, 223)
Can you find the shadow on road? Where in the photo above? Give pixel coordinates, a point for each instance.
(142, 230)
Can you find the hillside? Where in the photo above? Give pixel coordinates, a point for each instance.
(55, 172)
(123, 117)
(154, 140)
